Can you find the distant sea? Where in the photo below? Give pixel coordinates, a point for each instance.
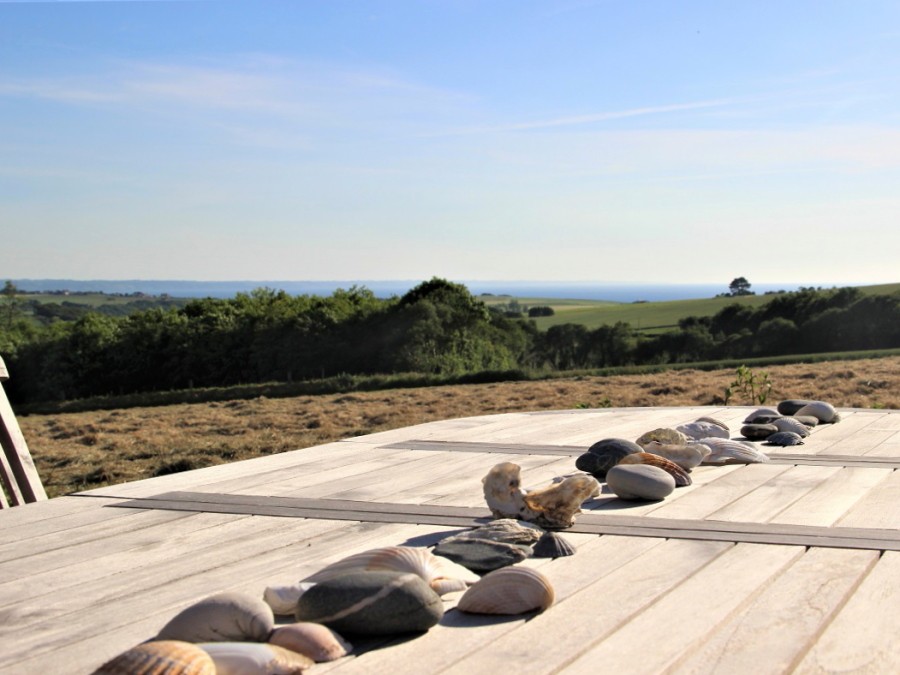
(614, 292)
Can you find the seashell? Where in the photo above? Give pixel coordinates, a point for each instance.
(555, 506)
(822, 411)
(224, 617)
(255, 658)
(713, 420)
(509, 590)
(640, 481)
(727, 451)
(560, 479)
(762, 416)
(437, 572)
(791, 424)
(164, 657)
(685, 456)
(791, 406)
(758, 432)
(784, 438)
(283, 599)
(605, 454)
(699, 429)
(314, 640)
(663, 435)
(504, 530)
(503, 492)
(552, 545)
(680, 475)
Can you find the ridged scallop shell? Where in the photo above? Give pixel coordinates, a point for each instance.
(727, 451)
(164, 657)
(713, 420)
(443, 575)
(685, 456)
(663, 435)
(255, 658)
(784, 438)
(314, 640)
(552, 545)
(822, 411)
(790, 424)
(556, 505)
(680, 475)
(508, 590)
(697, 430)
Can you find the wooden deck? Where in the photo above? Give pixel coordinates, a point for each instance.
(790, 566)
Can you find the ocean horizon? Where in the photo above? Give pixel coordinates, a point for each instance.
(609, 291)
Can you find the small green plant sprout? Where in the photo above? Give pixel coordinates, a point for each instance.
(754, 386)
(602, 403)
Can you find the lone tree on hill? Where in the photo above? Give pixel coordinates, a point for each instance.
(740, 286)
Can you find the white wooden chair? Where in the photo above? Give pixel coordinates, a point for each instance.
(19, 480)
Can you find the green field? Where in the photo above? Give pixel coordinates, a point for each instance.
(647, 317)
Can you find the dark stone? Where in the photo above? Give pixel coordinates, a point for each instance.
(372, 603)
(607, 453)
(481, 555)
(758, 432)
(791, 406)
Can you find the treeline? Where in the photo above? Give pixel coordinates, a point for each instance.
(437, 327)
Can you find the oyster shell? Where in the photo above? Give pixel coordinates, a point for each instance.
(552, 545)
(314, 640)
(508, 590)
(727, 451)
(555, 506)
(680, 475)
(663, 435)
(503, 492)
(701, 429)
(163, 657)
(443, 575)
(713, 420)
(685, 456)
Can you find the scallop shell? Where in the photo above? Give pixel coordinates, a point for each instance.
(727, 451)
(713, 420)
(503, 492)
(791, 424)
(508, 590)
(699, 429)
(663, 435)
(685, 456)
(555, 506)
(283, 599)
(314, 640)
(164, 657)
(255, 658)
(822, 411)
(680, 475)
(442, 574)
(552, 545)
(784, 438)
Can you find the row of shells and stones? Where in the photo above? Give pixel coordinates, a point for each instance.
(380, 592)
(652, 466)
(398, 589)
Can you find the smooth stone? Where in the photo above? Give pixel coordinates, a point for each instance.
(481, 555)
(808, 420)
(225, 617)
(763, 418)
(640, 481)
(372, 603)
(792, 405)
(822, 411)
(758, 432)
(607, 452)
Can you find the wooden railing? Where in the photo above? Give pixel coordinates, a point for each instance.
(19, 480)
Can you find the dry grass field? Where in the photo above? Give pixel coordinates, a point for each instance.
(77, 451)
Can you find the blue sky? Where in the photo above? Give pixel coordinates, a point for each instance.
(606, 141)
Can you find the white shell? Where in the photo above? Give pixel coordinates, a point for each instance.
(508, 590)
(726, 451)
(822, 411)
(556, 505)
(164, 656)
(698, 430)
(790, 424)
(442, 574)
(503, 492)
(255, 658)
(283, 599)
